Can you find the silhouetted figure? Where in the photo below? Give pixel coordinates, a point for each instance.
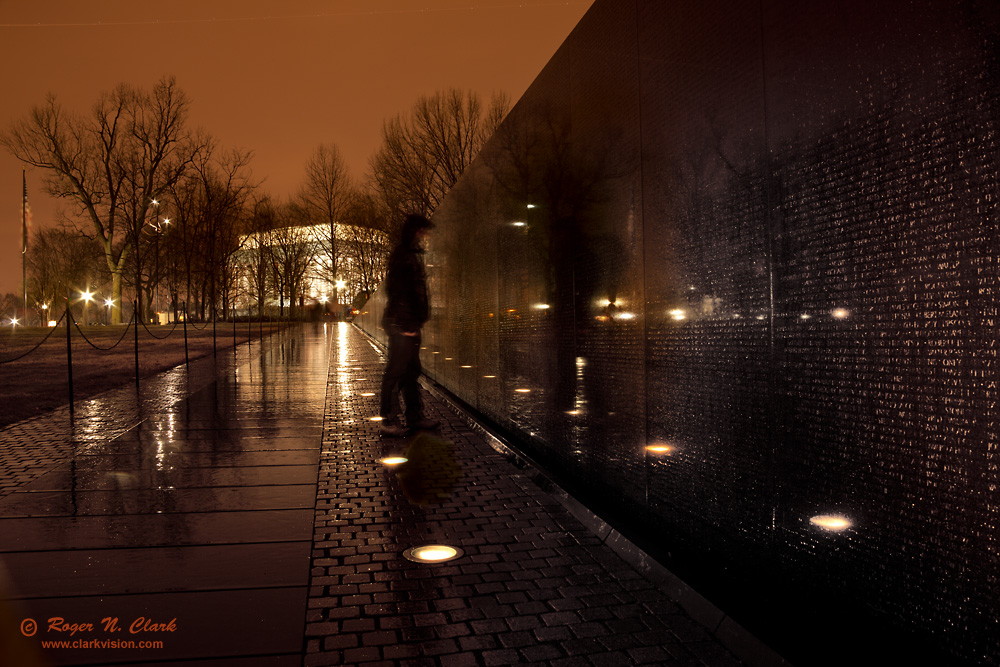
(406, 311)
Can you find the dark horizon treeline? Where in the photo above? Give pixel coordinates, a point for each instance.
(211, 240)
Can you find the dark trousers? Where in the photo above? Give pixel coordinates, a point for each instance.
(402, 369)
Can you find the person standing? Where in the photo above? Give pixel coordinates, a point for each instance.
(406, 311)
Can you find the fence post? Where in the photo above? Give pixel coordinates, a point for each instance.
(135, 337)
(69, 354)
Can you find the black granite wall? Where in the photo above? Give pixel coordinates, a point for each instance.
(764, 236)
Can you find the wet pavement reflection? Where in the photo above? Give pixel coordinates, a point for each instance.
(191, 502)
(259, 519)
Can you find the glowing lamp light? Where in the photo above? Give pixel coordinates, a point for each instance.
(489, 377)
(523, 391)
(52, 323)
(678, 314)
(519, 224)
(840, 313)
(626, 316)
(340, 284)
(109, 302)
(574, 412)
(804, 316)
(541, 306)
(834, 522)
(432, 553)
(393, 460)
(368, 393)
(14, 321)
(531, 206)
(660, 449)
(375, 419)
(466, 366)
(87, 296)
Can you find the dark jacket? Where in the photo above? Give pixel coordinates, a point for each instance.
(406, 307)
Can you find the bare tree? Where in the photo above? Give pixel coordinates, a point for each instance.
(62, 262)
(424, 153)
(325, 197)
(112, 163)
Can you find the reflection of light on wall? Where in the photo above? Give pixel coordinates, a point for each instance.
(678, 314)
(833, 522)
(393, 460)
(432, 553)
(840, 313)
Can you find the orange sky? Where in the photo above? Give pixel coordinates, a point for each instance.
(278, 77)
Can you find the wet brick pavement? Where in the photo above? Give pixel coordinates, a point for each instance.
(254, 508)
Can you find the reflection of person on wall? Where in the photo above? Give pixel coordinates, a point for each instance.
(406, 311)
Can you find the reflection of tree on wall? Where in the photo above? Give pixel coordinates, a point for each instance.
(535, 159)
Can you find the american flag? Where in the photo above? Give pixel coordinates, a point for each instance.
(25, 215)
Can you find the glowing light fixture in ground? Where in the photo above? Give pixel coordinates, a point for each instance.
(432, 553)
(519, 224)
(368, 393)
(834, 522)
(574, 412)
(625, 316)
(393, 460)
(541, 306)
(466, 366)
(489, 377)
(523, 391)
(375, 419)
(678, 314)
(840, 313)
(660, 449)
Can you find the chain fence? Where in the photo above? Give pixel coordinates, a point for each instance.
(69, 322)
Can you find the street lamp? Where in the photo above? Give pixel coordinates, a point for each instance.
(109, 303)
(340, 286)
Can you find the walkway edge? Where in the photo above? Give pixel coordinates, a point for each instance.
(742, 643)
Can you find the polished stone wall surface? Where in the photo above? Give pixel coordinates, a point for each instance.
(761, 238)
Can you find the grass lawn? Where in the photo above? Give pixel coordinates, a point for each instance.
(38, 383)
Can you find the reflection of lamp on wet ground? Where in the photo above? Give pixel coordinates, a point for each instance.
(832, 522)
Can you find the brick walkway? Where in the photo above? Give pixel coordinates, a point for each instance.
(208, 500)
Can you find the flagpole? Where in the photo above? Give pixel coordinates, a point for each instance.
(24, 242)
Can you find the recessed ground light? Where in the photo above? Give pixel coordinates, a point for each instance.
(393, 460)
(375, 419)
(660, 449)
(523, 391)
(368, 393)
(574, 412)
(833, 522)
(432, 553)
(489, 377)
